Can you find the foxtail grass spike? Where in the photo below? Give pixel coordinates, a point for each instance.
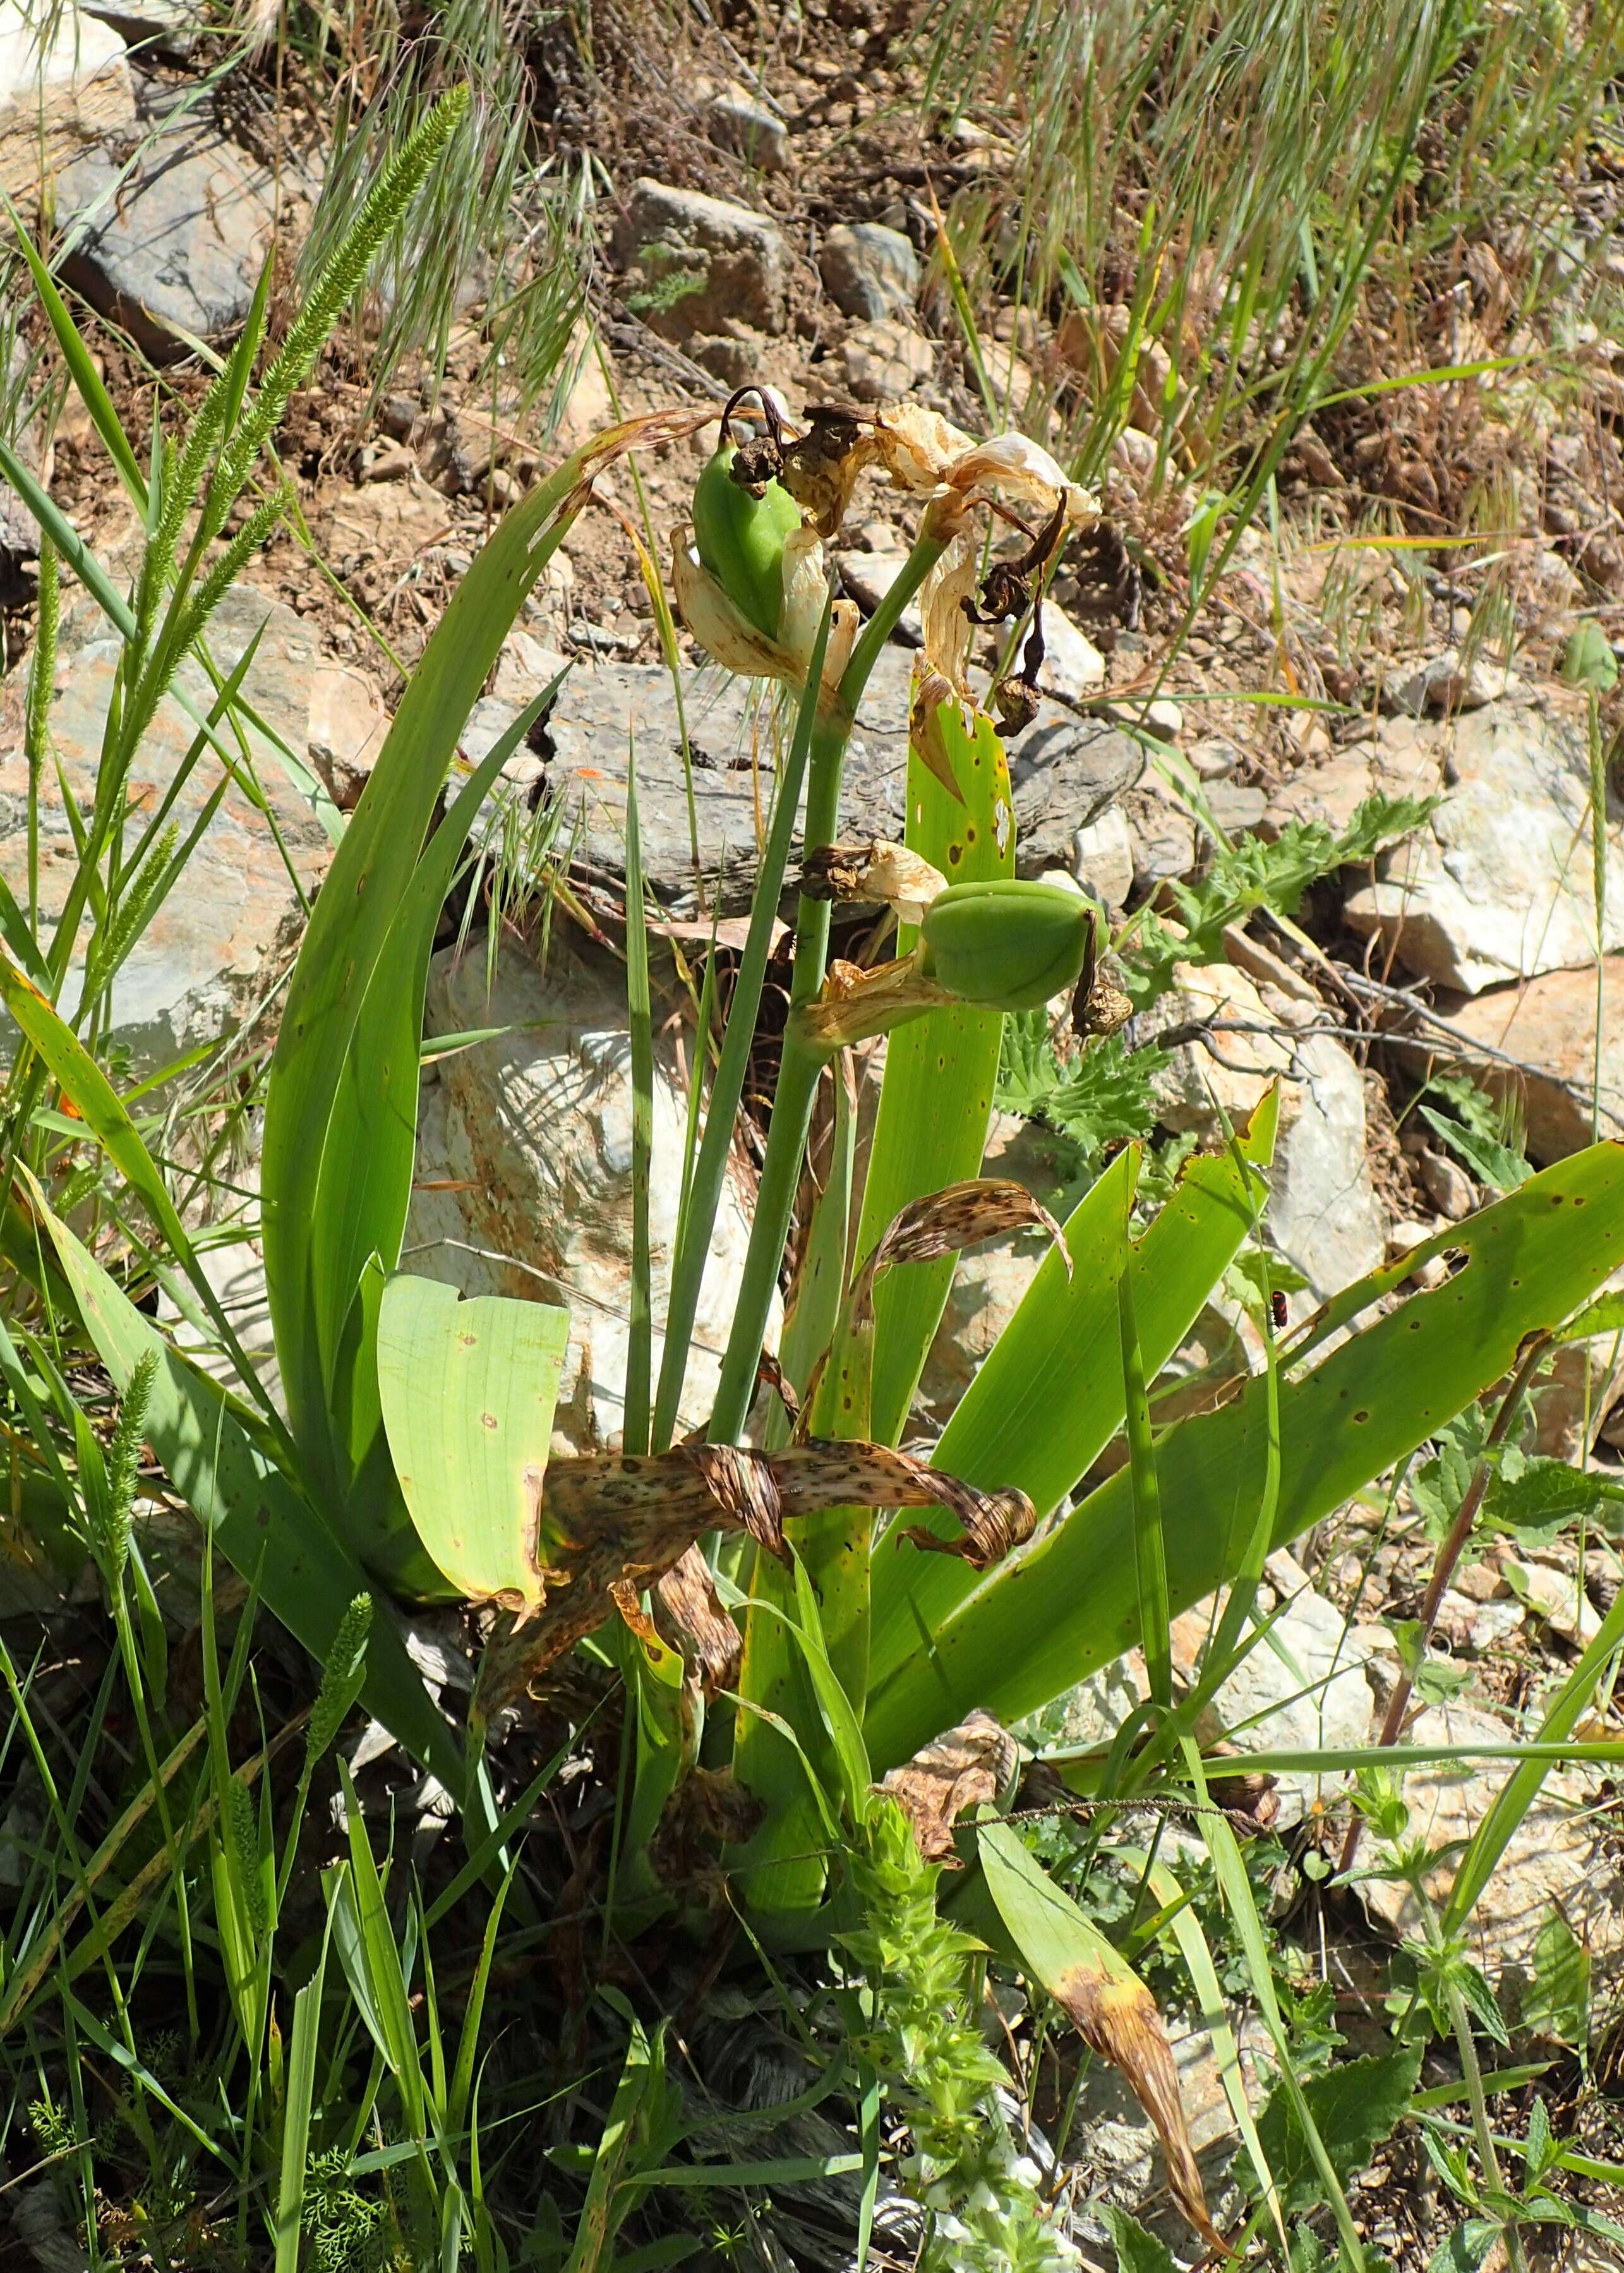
(341, 1678)
(340, 279)
(37, 729)
(124, 1467)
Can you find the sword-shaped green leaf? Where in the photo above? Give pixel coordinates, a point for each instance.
(1070, 1605)
(936, 1099)
(264, 1526)
(1049, 1397)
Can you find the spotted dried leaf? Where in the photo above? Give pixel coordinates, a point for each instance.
(613, 1524)
(970, 1766)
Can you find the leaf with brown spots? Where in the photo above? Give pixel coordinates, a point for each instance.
(611, 1525)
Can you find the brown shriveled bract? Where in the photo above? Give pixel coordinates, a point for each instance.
(612, 1525)
(970, 1766)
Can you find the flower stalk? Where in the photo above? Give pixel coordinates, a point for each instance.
(802, 1061)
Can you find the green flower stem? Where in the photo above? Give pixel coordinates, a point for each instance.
(698, 1211)
(800, 1066)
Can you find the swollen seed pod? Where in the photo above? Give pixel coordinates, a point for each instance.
(1007, 945)
(741, 539)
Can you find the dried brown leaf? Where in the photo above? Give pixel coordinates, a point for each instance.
(968, 1767)
(614, 1524)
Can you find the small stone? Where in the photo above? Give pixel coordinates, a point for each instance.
(1072, 666)
(1163, 719)
(884, 359)
(1102, 857)
(1408, 1233)
(735, 358)
(1457, 1614)
(1558, 1597)
(1490, 889)
(738, 121)
(1448, 1186)
(1495, 1625)
(1480, 1582)
(178, 243)
(1213, 758)
(868, 576)
(698, 260)
(869, 271)
(1444, 684)
(347, 727)
(56, 104)
(388, 461)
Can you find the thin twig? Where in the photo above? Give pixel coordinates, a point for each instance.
(1448, 1554)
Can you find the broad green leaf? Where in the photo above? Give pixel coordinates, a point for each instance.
(936, 1098)
(1044, 1623)
(1049, 1397)
(341, 1107)
(1589, 660)
(260, 1522)
(467, 1389)
(1355, 2106)
(1137, 2251)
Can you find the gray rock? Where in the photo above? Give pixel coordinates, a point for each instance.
(884, 359)
(534, 1133)
(166, 27)
(737, 121)
(1562, 1853)
(868, 270)
(1550, 1025)
(1064, 773)
(1446, 684)
(215, 947)
(698, 260)
(1497, 886)
(1072, 666)
(1302, 1686)
(1102, 857)
(347, 726)
(19, 534)
(1323, 1214)
(869, 576)
(57, 99)
(991, 1281)
(175, 245)
(1448, 1186)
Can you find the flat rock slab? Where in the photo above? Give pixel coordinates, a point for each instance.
(224, 932)
(56, 104)
(175, 245)
(1065, 772)
(1498, 885)
(1550, 1025)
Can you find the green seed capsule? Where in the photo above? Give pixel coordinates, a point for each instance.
(741, 539)
(1006, 946)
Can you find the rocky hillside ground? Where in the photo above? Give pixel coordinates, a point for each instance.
(1426, 602)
